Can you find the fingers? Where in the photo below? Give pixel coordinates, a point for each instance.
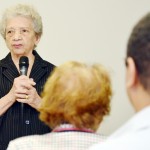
(29, 97)
(22, 87)
(23, 82)
(23, 98)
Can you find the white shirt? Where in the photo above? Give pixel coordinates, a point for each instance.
(134, 135)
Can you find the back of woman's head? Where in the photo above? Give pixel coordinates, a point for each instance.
(78, 94)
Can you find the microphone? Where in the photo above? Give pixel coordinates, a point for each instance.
(23, 65)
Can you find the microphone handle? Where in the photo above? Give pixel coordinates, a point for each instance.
(23, 71)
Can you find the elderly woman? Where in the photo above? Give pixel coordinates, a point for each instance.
(21, 28)
(76, 97)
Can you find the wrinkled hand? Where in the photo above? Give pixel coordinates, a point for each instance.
(25, 92)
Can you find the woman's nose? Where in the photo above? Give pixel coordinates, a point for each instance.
(17, 35)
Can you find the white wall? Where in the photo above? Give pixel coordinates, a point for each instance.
(89, 31)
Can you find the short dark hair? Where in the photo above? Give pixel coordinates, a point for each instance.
(139, 49)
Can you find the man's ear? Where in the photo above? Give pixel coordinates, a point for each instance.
(131, 73)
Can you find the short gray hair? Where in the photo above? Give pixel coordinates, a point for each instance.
(23, 10)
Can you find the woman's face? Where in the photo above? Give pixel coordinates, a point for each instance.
(20, 36)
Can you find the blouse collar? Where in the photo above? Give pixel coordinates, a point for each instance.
(70, 127)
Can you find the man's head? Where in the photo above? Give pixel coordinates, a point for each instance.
(139, 50)
(77, 94)
(138, 59)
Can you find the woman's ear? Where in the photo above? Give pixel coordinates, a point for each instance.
(131, 73)
(38, 37)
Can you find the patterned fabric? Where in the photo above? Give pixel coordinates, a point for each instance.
(14, 123)
(59, 139)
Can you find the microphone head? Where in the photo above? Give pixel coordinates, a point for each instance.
(23, 65)
(23, 61)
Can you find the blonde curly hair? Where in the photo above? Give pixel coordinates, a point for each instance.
(78, 94)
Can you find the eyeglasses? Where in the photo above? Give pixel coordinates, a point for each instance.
(21, 31)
